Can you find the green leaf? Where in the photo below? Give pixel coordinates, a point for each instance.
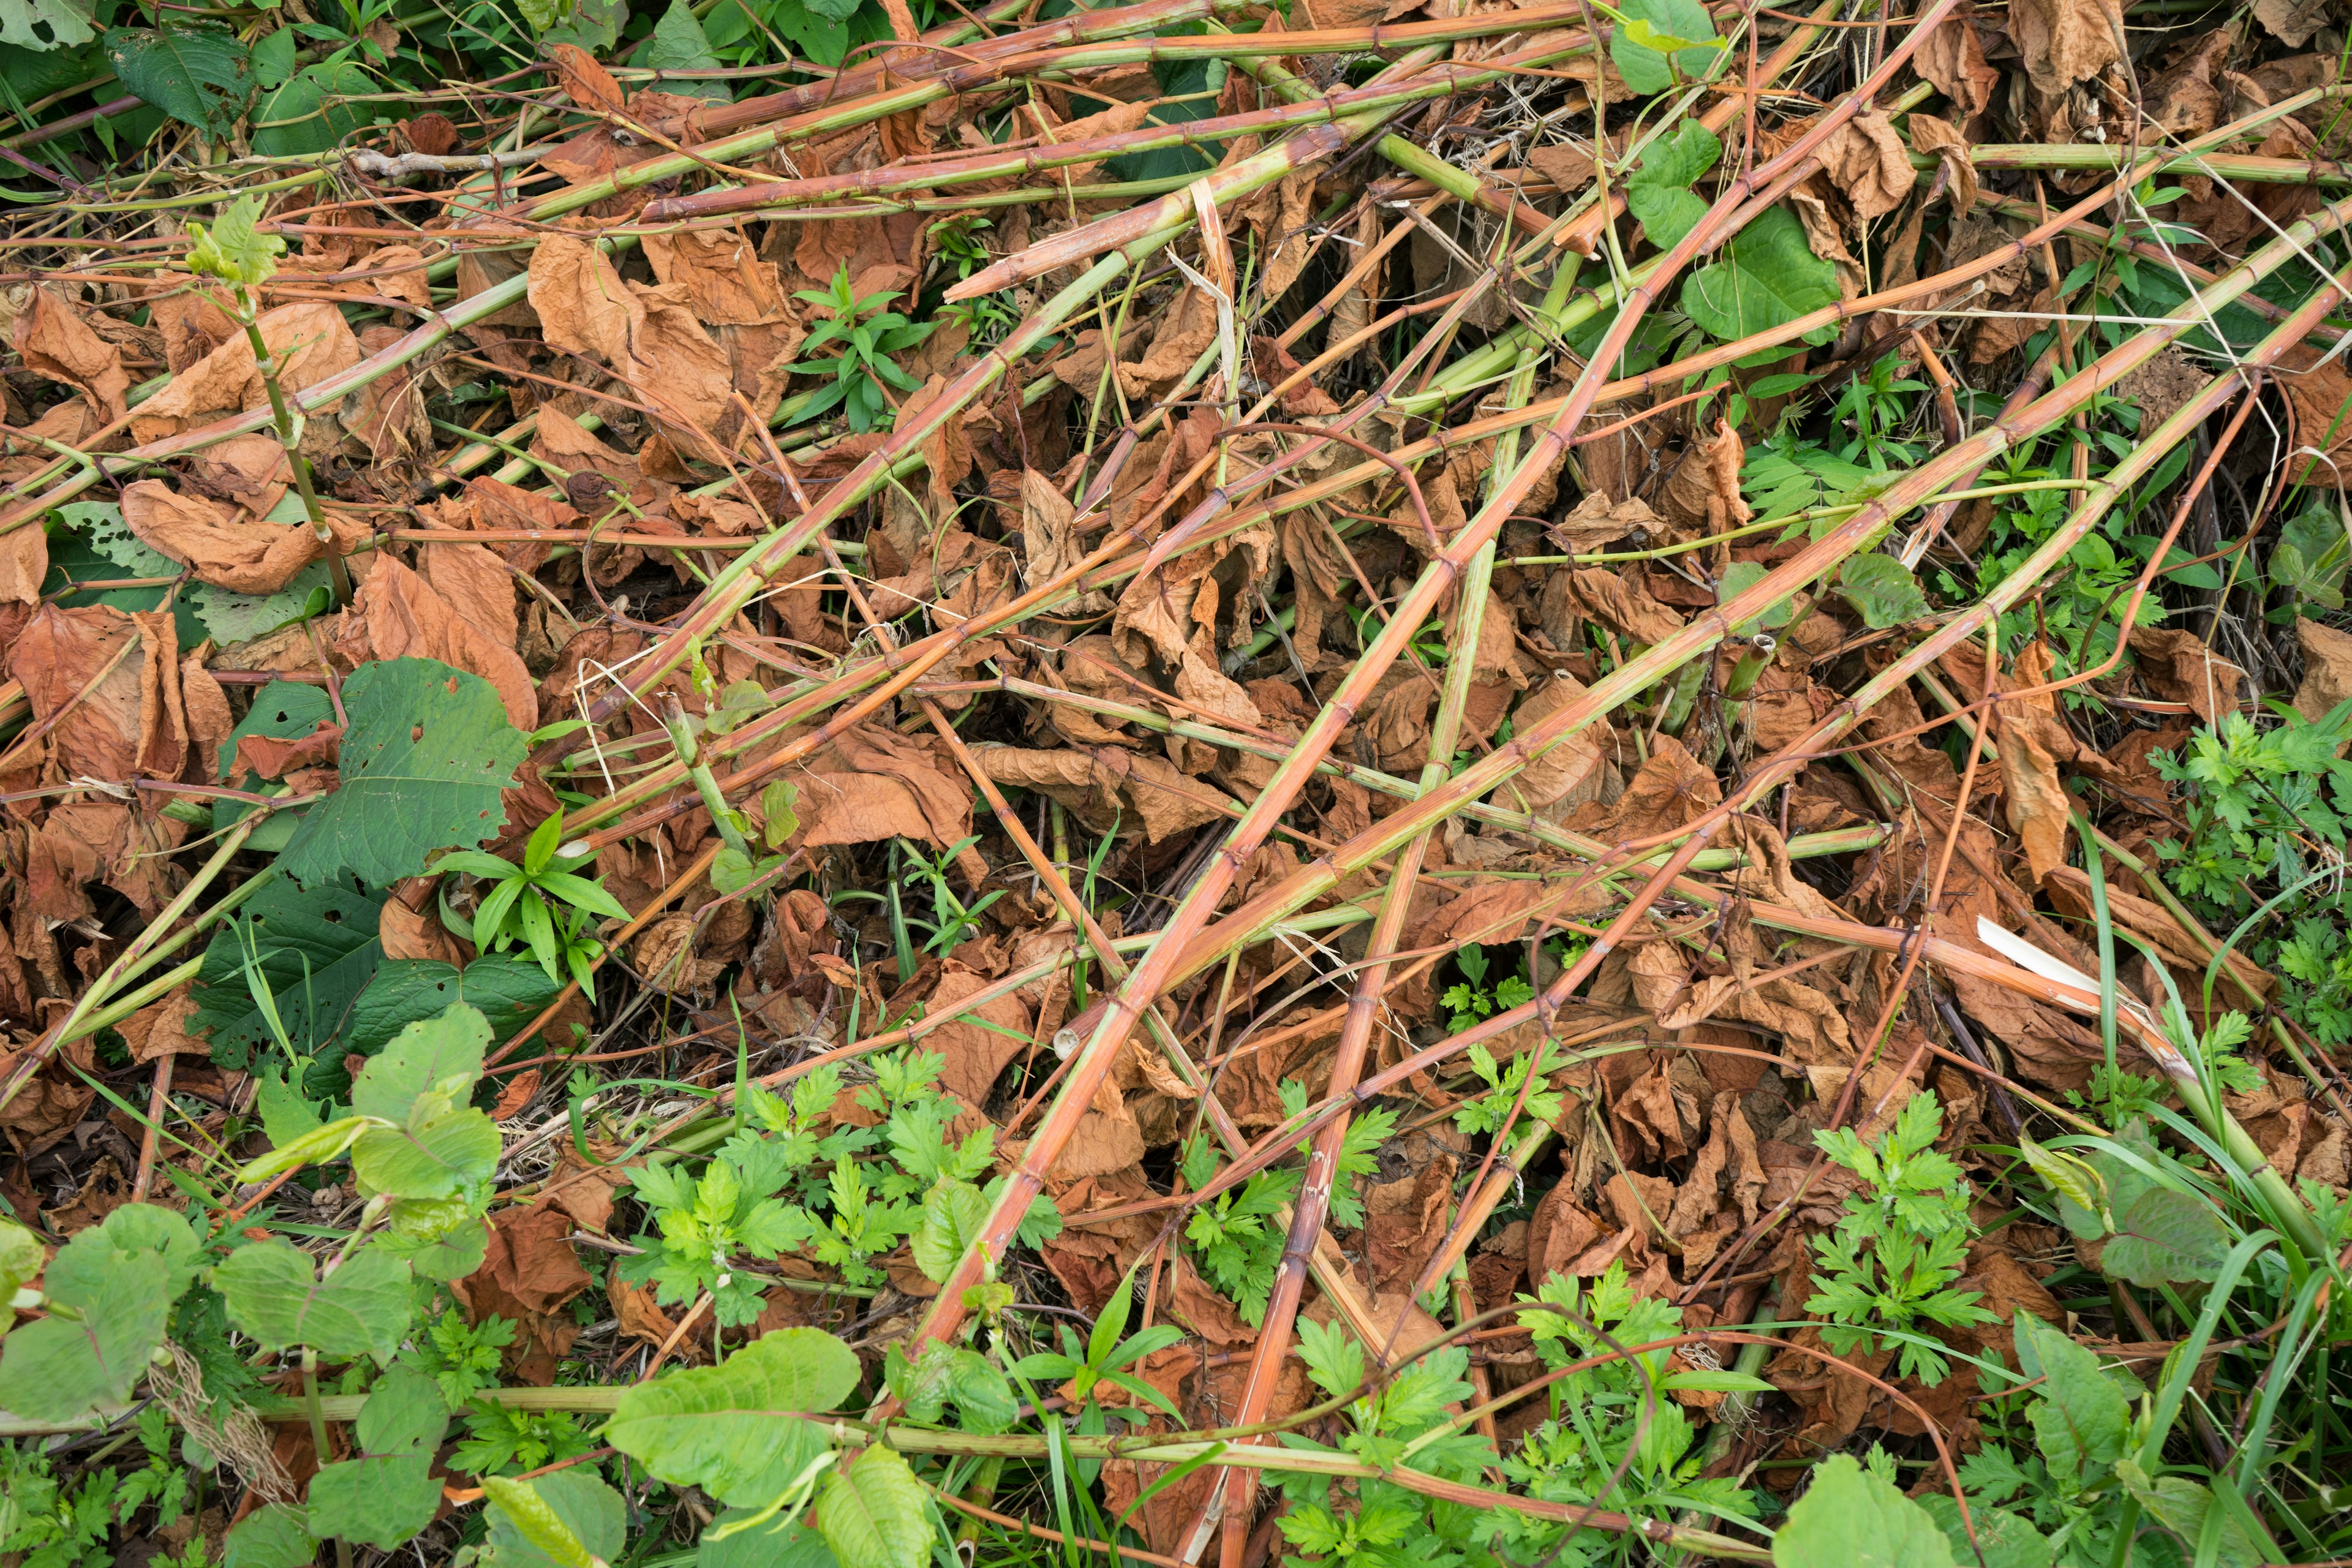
(46, 24)
(454, 1155)
(272, 1536)
(781, 1543)
(2074, 1180)
(1652, 29)
(194, 73)
(428, 753)
(2008, 1540)
(87, 547)
(275, 1295)
(2312, 554)
(1850, 1518)
(379, 1501)
(1737, 578)
(2181, 1505)
(734, 1429)
(2082, 1418)
(508, 990)
(874, 1514)
(1769, 278)
(21, 1258)
(440, 1237)
(525, 1517)
(272, 59)
(954, 1213)
(317, 949)
(678, 45)
(428, 1069)
(1659, 193)
(593, 25)
(2166, 1238)
(115, 1284)
(1881, 589)
(404, 1414)
(313, 1146)
(308, 114)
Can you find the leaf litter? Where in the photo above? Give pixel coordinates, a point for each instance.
(1488, 784)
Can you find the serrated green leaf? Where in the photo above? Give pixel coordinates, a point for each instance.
(1769, 278)
(379, 1501)
(735, 1429)
(317, 949)
(678, 45)
(115, 1284)
(275, 1294)
(46, 24)
(1881, 589)
(272, 1536)
(954, 1213)
(582, 1507)
(2166, 1238)
(1643, 47)
(875, 1513)
(428, 751)
(2082, 1418)
(194, 73)
(1849, 1518)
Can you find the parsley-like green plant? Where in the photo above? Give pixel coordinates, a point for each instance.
(461, 1358)
(503, 1440)
(1472, 999)
(1233, 1235)
(863, 336)
(1903, 1240)
(1487, 1110)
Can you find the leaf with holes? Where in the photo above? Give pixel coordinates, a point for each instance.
(428, 751)
(313, 950)
(46, 24)
(198, 75)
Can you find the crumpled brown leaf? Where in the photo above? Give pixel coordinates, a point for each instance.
(1669, 790)
(1943, 138)
(2063, 42)
(1953, 59)
(405, 616)
(2179, 668)
(873, 783)
(57, 343)
(2326, 668)
(1865, 158)
(648, 336)
(1108, 786)
(253, 556)
(2033, 740)
(311, 340)
(1597, 521)
(1620, 603)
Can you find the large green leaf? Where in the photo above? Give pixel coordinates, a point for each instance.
(735, 1429)
(428, 1070)
(317, 949)
(2082, 1418)
(1643, 49)
(379, 1500)
(1850, 1518)
(569, 1510)
(428, 750)
(2166, 1238)
(1881, 589)
(275, 1536)
(2182, 1506)
(21, 1258)
(678, 44)
(46, 24)
(390, 1495)
(454, 1156)
(874, 1514)
(196, 74)
(275, 1295)
(509, 990)
(1770, 277)
(111, 1288)
(1659, 192)
(778, 1544)
(308, 114)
